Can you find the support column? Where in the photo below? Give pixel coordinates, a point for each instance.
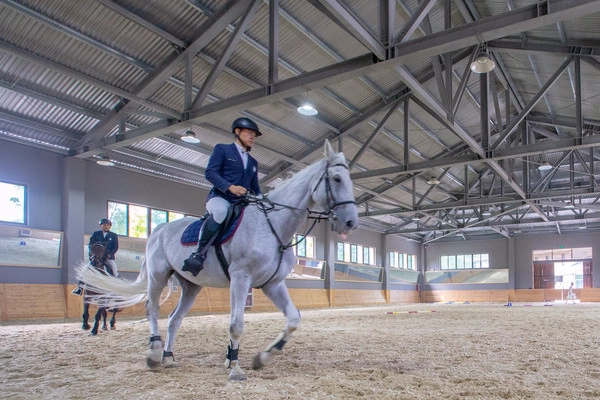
(73, 213)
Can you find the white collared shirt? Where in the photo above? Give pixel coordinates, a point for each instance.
(243, 154)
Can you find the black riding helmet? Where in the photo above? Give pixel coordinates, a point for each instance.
(104, 221)
(247, 123)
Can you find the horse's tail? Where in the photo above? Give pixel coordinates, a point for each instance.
(112, 292)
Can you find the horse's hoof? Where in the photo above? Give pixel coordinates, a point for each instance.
(154, 359)
(260, 360)
(104, 328)
(237, 374)
(168, 360)
(86, 327)
(112, 327)
(153, 364)
(93, 333)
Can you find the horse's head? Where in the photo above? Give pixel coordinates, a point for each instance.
(334, 192)
(97, 255)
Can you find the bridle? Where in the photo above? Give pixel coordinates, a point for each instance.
(332, 203)
(97, 257)
(266, 205)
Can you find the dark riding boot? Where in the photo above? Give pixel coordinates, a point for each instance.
(194, 263)
(78, 291)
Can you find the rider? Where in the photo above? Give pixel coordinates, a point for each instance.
(110, 241)
(233, 172)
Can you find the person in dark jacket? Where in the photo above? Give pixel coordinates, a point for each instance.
(110, 241)
(233, 173)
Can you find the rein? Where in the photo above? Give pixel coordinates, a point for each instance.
(266, 206)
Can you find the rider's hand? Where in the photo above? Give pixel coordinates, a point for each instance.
(237, 190)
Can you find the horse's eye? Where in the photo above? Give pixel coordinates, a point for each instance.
(337, 179)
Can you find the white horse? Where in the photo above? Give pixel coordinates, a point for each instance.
(259, 256)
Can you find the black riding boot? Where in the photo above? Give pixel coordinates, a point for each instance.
(194, 263)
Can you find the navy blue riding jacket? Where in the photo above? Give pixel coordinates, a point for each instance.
(226, 168)
(110, 243)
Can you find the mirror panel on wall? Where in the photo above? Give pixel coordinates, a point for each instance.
(130, 256)
(306, 268)
(468, 276)
(27, 247)
(358, 273)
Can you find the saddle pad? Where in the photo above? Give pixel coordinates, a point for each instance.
(191, 234)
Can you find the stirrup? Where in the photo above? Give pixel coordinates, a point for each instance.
(77, 291)
(194, 263)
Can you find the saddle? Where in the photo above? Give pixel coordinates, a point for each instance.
(234, 217)
(191, 234)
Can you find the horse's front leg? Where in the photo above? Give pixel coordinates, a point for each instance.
(104, 316)
(279, 295)
(86, 316)
(237, 293)
(113, 320)
(97, 318)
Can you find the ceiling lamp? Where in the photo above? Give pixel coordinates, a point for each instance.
(307, 108)
(486, 212)
(415, 218)
(105, 162)
(483, 63)
(433, 181)
(569, 205)
(190, 137)
(545, 166)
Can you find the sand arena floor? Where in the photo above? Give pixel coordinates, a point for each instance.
(460, 351)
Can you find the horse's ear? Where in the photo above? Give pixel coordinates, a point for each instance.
(328, 149)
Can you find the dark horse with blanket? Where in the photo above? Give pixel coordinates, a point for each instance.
(97, 259)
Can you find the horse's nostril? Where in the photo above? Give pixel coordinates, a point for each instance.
(350, 224)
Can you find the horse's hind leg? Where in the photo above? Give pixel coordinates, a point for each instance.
(280, 296)
(156, 283)
(238, 292)
(189, 291)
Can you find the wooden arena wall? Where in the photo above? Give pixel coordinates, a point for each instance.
(55, 302)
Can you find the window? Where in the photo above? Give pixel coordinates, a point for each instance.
(157, 217)
(355, 253)
(13, 199)
(465, 261)
(580, 253)
(137, 221)
(411, 261)
(305, 246)
(403, 261)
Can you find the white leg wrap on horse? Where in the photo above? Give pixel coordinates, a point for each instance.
(154, 356)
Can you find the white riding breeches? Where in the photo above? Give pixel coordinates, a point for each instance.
(112, 264)
(218, 207)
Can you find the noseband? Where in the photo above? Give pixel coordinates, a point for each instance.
(332, 203)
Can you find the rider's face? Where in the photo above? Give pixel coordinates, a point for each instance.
(246, 137)
(105, 227)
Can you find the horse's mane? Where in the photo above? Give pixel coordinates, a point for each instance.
(283, 187)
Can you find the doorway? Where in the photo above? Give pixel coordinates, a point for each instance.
(560, 274)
